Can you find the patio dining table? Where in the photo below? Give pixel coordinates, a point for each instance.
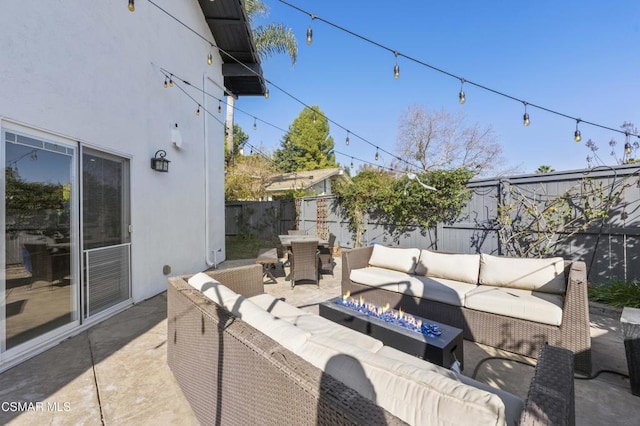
(285, 240)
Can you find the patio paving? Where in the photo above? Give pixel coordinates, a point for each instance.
(116, 372)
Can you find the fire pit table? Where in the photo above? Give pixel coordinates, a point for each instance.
(438, 343)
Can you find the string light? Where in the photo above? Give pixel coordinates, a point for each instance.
(396, 68)
(171, 81)
(346, 141)
(627, 144)
(266, 92)
(198, 110)
(219, 106)
(461, 97)
(576, 135)
(166, 82)
(525, 117)
(310, 31)
(132, 6)
(209, 59)
(377, 157)
(351, 166)
(255, 124)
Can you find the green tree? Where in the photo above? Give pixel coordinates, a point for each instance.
(271, 39)
(401, 205)
(247, 177)
(544, 169)
(307, 144)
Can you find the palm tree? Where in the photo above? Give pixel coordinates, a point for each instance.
(270, 39)
(544, 169)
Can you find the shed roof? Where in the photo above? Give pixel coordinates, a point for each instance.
(303, 180)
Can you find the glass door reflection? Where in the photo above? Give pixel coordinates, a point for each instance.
(40, 288)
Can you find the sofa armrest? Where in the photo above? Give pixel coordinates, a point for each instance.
(354, 259)
(551, 398)
(244, 280)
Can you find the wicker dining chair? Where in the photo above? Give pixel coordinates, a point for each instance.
(305, 262)
(326, 255)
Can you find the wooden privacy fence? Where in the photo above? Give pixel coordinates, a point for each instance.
(610, 247)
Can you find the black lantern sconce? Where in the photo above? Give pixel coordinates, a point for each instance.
(159, 163)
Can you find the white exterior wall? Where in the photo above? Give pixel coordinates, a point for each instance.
(89, 71)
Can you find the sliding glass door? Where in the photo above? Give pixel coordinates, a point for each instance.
(40, 220)
(105, 230)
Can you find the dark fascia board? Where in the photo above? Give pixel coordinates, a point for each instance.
(228, 22)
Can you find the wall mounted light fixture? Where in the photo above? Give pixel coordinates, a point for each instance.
(159, 163)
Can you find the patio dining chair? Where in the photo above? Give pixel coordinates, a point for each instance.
(295, 232)
(326, 255)
(305, 262)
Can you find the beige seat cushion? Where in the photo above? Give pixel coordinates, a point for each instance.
(383, 278)
(418, 393)
(397, 259)
(513, 404)
(452, 266)
(279, 330)
(316, 325)
(528, 305)
(546, 275)
(437, 289)
(279, 308)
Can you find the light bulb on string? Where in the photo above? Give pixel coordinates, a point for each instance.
(219, 106)
(209, 59)
(198, 110)
(627, 145)
(525, 117)
(377, 156)
(346, 141)
(132, 6)
(576, 135)
(396, 68)
(255, 124)
(171, 81)
(351, 167)
(461, 97)
(266, 93)
(166, 82)
(310, 31)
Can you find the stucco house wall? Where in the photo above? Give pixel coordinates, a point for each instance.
(90, 72)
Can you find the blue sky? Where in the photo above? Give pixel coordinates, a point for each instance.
(579, 58)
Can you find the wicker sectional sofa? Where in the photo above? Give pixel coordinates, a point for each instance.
(243, 357)
(515, 304)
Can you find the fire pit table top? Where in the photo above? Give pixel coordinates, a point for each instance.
(442, 349)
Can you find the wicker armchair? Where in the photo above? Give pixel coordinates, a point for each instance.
(305, 261)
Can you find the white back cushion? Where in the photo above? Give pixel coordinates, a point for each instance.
(544, 275)
(452, 266)
(398, 259)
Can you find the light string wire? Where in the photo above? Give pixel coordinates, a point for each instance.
(442, 71)
(349, 132)
(168, 74)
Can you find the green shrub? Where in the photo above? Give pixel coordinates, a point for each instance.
(616, 292)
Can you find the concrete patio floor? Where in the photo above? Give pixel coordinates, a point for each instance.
(116, 372)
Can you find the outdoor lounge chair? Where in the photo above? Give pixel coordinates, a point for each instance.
(305, 261)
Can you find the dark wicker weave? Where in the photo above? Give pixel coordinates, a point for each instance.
(232, 374)
(305, 261)
(326, 255)
(511, 334)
